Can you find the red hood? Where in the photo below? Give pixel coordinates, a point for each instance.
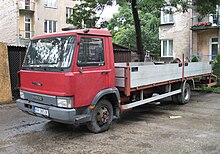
(50, 83)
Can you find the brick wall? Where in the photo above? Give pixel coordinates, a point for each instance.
(8, 21)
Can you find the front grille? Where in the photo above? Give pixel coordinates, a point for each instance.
(41, 98)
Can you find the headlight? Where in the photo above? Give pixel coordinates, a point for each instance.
(65, 102)
(21, 94)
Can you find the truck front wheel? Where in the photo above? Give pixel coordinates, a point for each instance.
(101, 117)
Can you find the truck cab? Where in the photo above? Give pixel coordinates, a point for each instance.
(67, 76)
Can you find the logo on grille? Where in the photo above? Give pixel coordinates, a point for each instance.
(37, 84)
(38, 98)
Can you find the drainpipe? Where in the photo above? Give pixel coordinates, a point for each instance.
(17, 23)
(217, 12)
(190, 34)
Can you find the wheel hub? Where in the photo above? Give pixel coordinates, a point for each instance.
(186, 94)
(102, 116)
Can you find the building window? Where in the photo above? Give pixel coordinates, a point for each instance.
(27, 4)
(27, 29)
(213, 48)
(166, 15)
(167, 48)
(69, 12)
(50, 26)
(50, 3)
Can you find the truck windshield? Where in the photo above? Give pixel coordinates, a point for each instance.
(54, 52)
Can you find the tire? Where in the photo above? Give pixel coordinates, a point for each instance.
(184, 96)
(101, 117)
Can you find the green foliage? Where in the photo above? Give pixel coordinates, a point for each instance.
(195, 59)
(209, 89)
(122, 25)
(123, 31)
(205, 7)
(216, 68)
(86, 12)
(83, 12)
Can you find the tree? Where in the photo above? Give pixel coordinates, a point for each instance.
(84, 14)
(85, 11)
(123, 31)
(137, 29)
(205, 7)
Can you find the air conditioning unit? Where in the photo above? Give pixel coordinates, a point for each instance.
(213, 19)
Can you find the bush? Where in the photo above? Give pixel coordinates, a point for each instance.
(216, 67)
(176, 60)
(195, 59)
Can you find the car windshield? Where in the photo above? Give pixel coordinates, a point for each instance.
(54, 52)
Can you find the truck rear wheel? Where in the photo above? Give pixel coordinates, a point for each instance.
(101, 117)
(184, 96)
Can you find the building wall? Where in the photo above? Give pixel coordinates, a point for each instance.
(8, 21)
(194, 42)
(5, 84)
(58, 14)
(201, 42)
(12, 14)
(179, 32)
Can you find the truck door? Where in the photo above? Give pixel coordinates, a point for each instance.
(91, 73)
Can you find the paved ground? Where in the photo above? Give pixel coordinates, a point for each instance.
(148, 129)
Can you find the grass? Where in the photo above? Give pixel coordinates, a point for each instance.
(212, 89)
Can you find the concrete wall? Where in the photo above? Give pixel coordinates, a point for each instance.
(8, 21)
(179, 32)
(201, 42)
(11, 19)
(58, 14)
(5, 85)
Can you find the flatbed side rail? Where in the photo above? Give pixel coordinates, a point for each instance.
(124, 78)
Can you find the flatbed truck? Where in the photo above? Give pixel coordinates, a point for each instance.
(70, 77)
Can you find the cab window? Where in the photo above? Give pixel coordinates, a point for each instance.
(91, 52)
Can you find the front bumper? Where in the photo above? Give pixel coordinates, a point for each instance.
(68, 116)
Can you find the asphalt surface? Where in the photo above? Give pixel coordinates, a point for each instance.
(164, 128)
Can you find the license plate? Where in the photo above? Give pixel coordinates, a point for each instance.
(41, 111)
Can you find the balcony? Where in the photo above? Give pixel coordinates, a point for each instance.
(208, 22)
(204, 26)
(26, 6)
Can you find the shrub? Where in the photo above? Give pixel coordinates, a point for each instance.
(216, 67)
(195, 59)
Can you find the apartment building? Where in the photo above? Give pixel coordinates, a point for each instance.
(22, 19)
(205, 35)
(189, 34)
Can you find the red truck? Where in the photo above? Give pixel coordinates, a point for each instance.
(70, 77)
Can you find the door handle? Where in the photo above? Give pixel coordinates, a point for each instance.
(105, 72)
